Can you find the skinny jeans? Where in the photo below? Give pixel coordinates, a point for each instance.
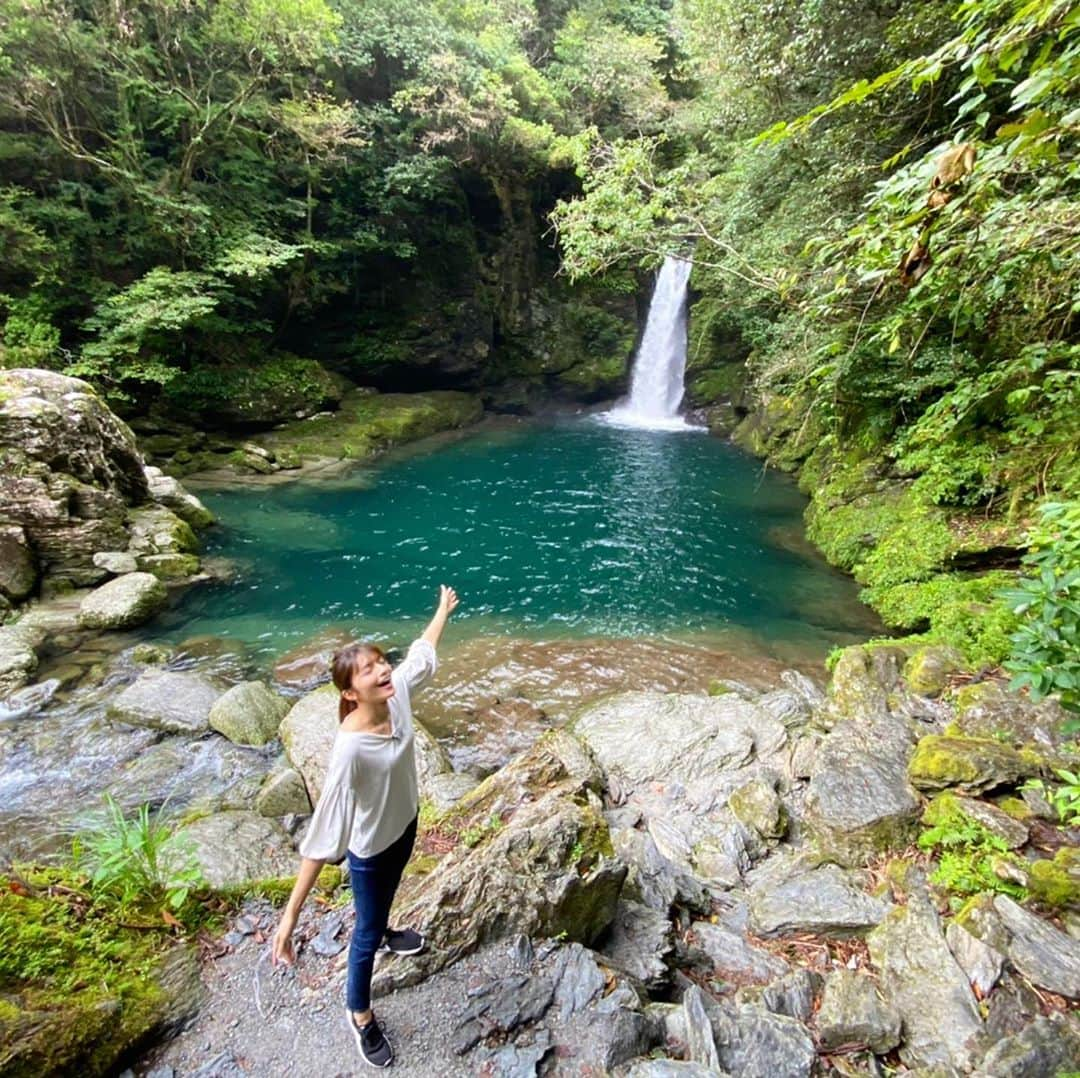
(374, 881)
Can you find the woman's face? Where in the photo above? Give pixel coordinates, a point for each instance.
(371, 682)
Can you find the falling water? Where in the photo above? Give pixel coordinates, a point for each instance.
(657, 387)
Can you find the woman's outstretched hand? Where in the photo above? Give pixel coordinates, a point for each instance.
(448, 599)
(282, 950)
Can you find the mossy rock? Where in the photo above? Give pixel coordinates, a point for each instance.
(724, 383)
(969, 763)
(948, 809)
(1057, 882)
(927, 672)
(757, 805)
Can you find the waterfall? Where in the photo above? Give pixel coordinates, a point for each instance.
(656, 389)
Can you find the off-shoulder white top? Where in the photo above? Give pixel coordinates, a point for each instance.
(370, 794)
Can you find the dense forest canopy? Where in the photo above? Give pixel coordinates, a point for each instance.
(880, 200)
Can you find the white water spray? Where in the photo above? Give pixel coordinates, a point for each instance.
(656, 389)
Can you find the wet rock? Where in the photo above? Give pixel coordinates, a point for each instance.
(753, 1043)
(757, 805)
(824, 900)
(700, 1043)
(1045, 955)
(733, 957)
(308, 664)
(968, 763)
(128, 600)
(283, 793)
(640, 944)
(1048, 1046)
(853, 1012)
(28, 701)
(248, 713)
(981, 963)
(547, 869)
(235, 848)
(115, 561)
(921, 979)
(177, 702)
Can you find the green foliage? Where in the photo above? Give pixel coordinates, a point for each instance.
(1045, 652)
(965, 852)
(1065, 798)
(137, 862)
(476, 833)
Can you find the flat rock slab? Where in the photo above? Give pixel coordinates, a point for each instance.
(974, 764)
(647, 737)
(237, 847)
(921, 979)
(177, 702)
(823, 900)
(734, 957)
(1042, 953)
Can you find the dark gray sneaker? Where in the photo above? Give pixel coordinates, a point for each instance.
(402, 941)
(373, 1047)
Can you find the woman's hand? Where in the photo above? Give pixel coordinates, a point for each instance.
(282, 949)
(448, 600)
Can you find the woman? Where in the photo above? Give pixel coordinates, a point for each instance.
(368, 809)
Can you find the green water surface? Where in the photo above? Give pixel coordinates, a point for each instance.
(567, 527)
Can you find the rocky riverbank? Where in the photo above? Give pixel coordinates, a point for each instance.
(690, 884)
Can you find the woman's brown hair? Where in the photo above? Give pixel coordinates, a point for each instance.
(342, 666)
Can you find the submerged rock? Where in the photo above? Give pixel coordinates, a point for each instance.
(127, 601)
(177, 702)
(248, 713)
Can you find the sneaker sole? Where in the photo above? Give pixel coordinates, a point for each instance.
(384, 949)
(360, 1045)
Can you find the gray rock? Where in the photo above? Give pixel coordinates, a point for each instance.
(672, 1068)
(852, 1012)
(752, 1043)
(611, 1036)
(515, 1060)
(757, 805)
(283, 793)
(115, 561)
(733, 956)
(640, 944)
(239, 847)
(542, 872)
(822, 900)
(1012, 832)
(700, 1043)
(223, 1065)
(177, 702)
(127, 601)
(1049, 1046)
(920, 978)
(791, 995)
(248, 713)
(328, 942)
(652, 878)
(1046, 956)
(578, 979)
(859, 803)
(981, 963)
(18, 660)
(18, 566)
(168, 491)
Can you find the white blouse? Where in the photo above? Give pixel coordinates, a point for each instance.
(370, 795)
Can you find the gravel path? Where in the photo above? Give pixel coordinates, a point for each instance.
(301, 1028)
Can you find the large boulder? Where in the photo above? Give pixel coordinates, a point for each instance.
(18, 659)
(974, 764)
(18, 566)
(235, 848)
(922, 980)
(533, 856)
(127, 601)
(69, 469)
(167, 491)
(248, 713)
(177, 702)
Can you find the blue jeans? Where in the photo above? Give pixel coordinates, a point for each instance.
(374, 882)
